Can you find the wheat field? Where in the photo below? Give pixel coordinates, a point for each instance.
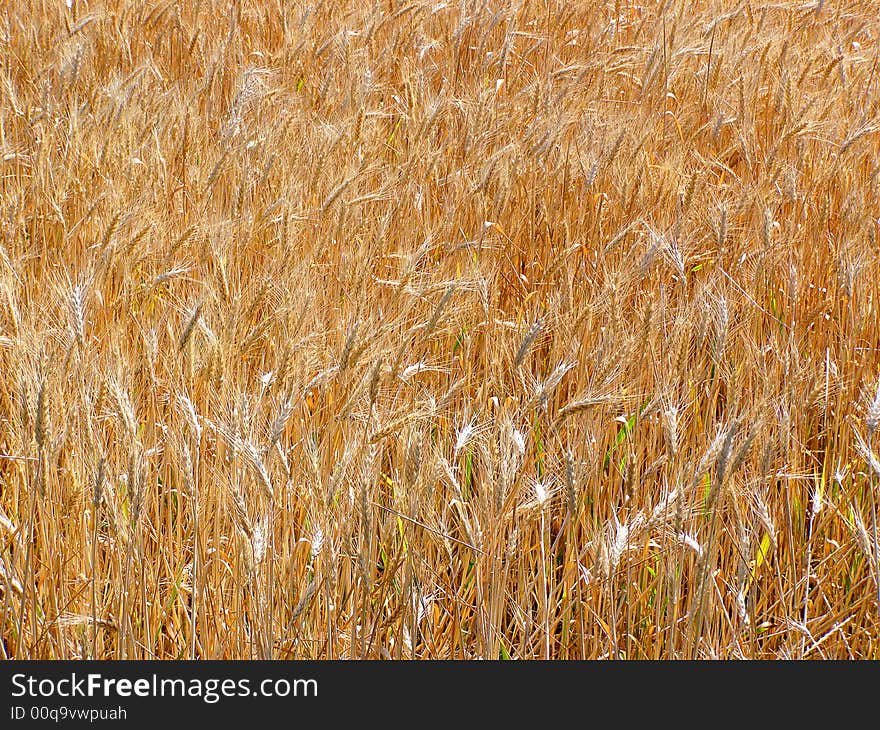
(451, 329)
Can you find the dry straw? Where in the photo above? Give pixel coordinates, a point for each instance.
(440, 330)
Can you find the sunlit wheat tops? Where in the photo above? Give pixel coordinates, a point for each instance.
(439, 330)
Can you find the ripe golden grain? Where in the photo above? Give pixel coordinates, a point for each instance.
(439, 330)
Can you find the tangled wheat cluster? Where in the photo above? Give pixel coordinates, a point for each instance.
(476, 328)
